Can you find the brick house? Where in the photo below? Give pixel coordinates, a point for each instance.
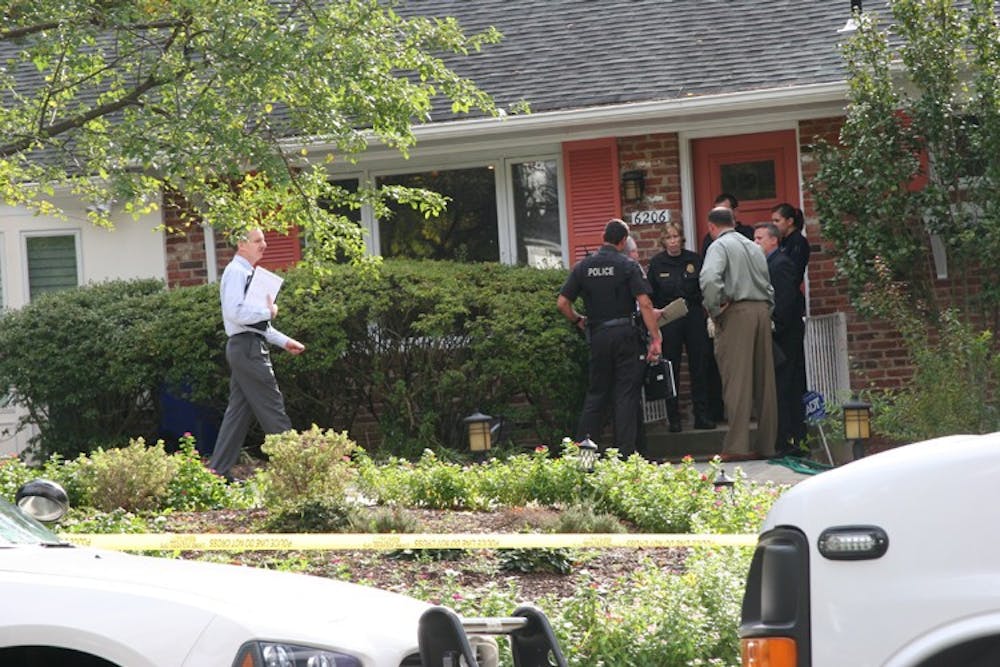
(687, 98)
(679, 100)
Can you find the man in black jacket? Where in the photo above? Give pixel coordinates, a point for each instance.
(789, 339)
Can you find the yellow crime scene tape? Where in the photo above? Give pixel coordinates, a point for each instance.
(386, 542)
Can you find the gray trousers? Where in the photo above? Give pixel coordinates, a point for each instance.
(253, 392)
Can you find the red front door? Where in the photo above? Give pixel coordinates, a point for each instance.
(761, 170)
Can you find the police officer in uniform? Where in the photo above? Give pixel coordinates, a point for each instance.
(611, 284)
(673, 274)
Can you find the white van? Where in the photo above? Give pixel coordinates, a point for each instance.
(891, 560)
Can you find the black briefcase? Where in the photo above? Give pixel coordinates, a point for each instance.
(659, 382)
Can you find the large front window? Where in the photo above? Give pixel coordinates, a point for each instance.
(501, 210)
(464, 231)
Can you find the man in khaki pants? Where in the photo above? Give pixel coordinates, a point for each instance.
(737, 293)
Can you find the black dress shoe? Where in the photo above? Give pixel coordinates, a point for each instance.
(675, 427)
(703, 424)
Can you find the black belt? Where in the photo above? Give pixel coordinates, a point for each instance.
(255, 334)
(617, 322)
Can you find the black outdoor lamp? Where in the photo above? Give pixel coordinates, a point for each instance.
(633, 185)
(588, 455)
(724, 481)
(857, 424)
(480, 435)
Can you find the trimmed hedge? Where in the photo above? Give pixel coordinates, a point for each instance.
(414, 345)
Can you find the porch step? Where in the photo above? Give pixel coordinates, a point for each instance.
(701, 445)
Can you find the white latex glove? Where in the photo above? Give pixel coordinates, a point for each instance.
(710, 327)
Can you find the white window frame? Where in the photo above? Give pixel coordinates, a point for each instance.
(505, 213)
(506, 229)
(77, 242)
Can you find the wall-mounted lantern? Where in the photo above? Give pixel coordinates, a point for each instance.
(633, 185)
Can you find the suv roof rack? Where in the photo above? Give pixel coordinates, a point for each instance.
(444, 638)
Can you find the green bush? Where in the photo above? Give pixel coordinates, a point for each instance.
(133, 478)
(13, 474)
(654, 498)
(311, 466)
(387, 520)
(420, 345)
(112, 522)
(546, 561)
(195, 488)
(417, 345)
(647, 618)
(580, 519)
(323, 515)
(953, 386)
(78, 361)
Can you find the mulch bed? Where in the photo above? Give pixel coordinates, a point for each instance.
(469, 568)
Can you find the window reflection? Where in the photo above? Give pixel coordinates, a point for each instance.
(536, 213)
(465, 231)
(750, 180)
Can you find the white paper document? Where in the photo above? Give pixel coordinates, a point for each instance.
(262, 284)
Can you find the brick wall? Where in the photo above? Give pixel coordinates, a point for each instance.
(876, 355)
(659, 156)
(184, 246)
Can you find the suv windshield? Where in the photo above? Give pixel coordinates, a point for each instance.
(16, 527)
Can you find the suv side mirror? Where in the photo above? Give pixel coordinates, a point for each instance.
(43, 500)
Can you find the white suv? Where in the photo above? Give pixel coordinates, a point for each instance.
(892, 560)
(78, 607)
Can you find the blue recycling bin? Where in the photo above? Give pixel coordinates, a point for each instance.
(179, 415)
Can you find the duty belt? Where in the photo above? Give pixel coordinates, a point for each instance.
(617, 322)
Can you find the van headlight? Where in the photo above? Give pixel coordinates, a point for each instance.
(276, 654)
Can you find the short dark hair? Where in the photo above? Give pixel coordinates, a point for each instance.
(615, 231)
(727, 197)
(721, 217)
(772, 229)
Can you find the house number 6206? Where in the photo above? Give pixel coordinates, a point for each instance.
(650, 217)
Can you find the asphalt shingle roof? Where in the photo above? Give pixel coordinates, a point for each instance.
(569, 54)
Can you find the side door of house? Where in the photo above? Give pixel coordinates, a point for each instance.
(760, 169)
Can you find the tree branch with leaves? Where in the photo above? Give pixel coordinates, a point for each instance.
(217, 101)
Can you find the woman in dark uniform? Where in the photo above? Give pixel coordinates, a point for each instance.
(790, 221)
(673, 274)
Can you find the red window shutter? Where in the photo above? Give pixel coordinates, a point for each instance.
(283, 250)
(592, 194)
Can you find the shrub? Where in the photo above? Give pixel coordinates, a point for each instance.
(194, 487)
(86, 379)
(113, 522)
(552, 561)
(313, 465)
(953, 387)
(323, 515)
(581, 519)
(13, 474)
(133, 478)
(387, 520)
(397, 341)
